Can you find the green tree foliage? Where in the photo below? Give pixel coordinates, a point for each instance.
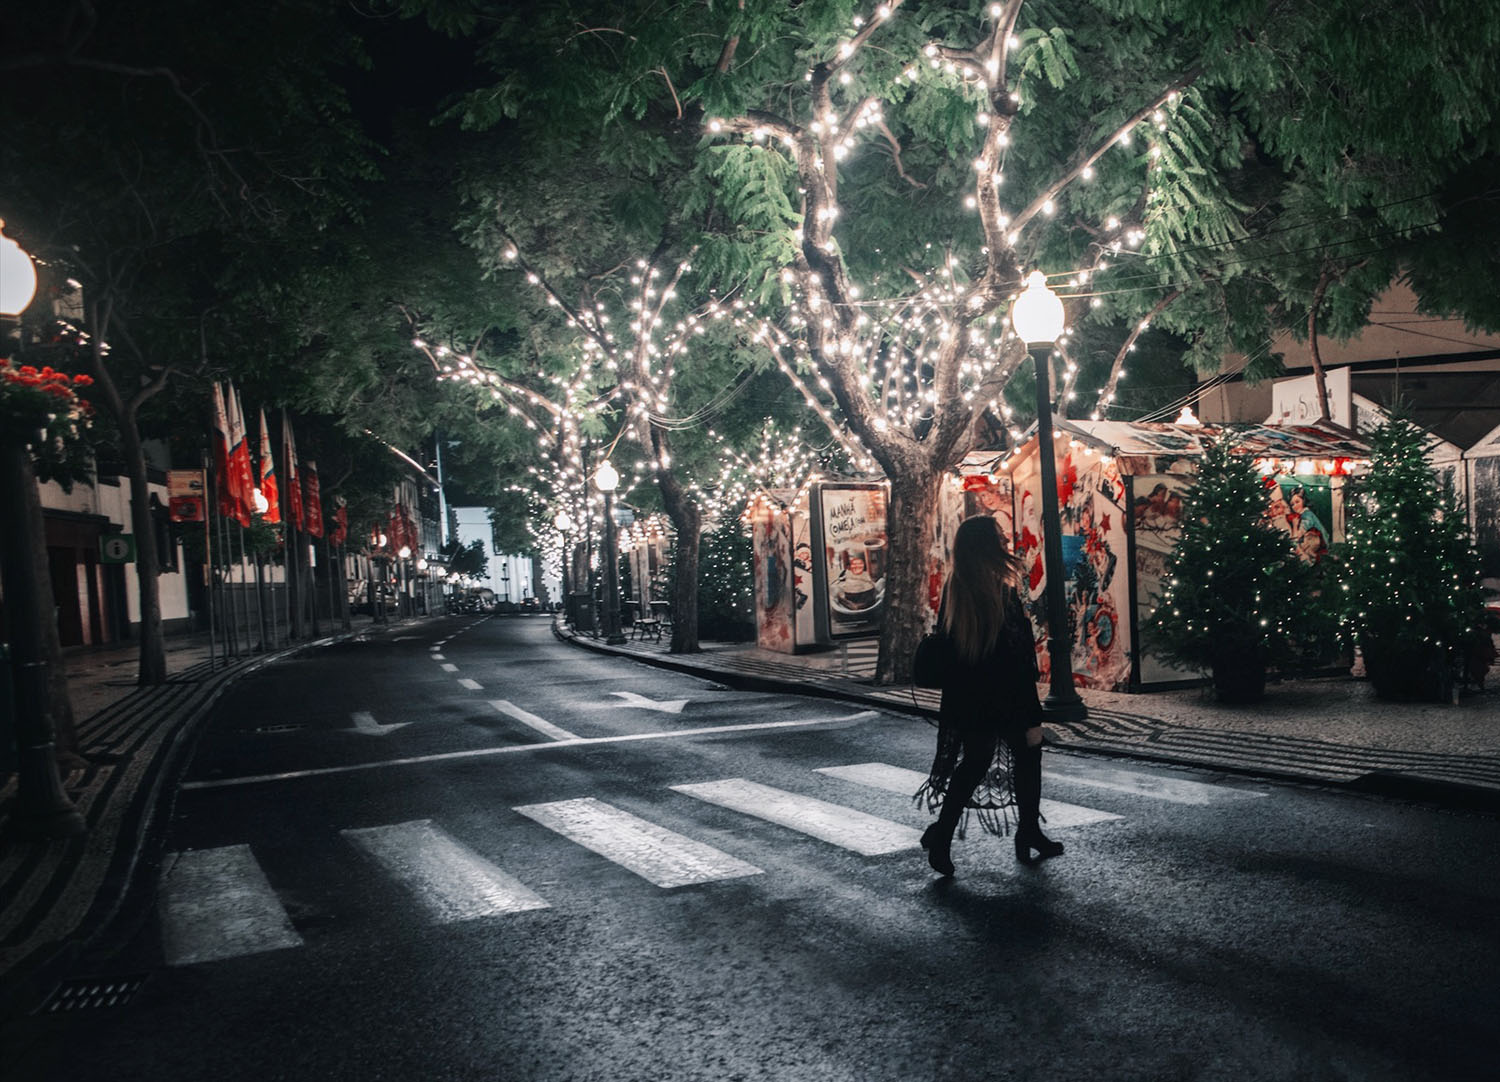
(726, 601)
(1235, 599)
(1411, 577)
(467, 561)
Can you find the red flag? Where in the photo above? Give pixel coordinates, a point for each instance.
(268, 474)
(293, 476)
(313, 502)
(340, 531)
(223, 476)
(239, 459)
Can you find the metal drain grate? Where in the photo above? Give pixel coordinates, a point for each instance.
(93, 993)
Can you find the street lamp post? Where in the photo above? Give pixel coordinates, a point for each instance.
(43, 809)
(1037, 317)
(564, 523)
(605, 480)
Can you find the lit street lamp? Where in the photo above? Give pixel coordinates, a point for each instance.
(42, 808)
(1037, 317)
(605, 480)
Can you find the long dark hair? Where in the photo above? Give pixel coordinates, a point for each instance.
(984, 573)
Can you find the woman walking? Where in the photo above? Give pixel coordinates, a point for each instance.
(989, 695)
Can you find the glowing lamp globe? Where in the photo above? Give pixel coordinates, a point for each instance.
(262, 505)
(564, 521)
(606, 477)
(17, 277)
(1037, 314)
(405, 552)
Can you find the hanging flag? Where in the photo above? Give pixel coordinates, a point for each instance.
(312, 500)
(340, 531)
(293, 476)
(272, 512)
(223, 477)
(242, 478)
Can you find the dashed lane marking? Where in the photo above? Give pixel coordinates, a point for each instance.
(541, 725)
(472, 685)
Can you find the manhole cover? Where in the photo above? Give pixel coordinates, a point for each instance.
(93, 993)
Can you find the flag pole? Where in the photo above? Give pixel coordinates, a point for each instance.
(208, 570)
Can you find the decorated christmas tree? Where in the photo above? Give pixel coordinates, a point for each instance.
(1411, 577)
(1235, 598)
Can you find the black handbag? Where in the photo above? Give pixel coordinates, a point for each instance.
(930, 662)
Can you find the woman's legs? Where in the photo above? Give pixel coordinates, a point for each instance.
(1028, 783)
(978, 754)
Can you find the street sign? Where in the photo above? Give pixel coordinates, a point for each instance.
(185, 495)
(117, 548)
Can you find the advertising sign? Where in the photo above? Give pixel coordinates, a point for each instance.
(185, 495)
(853, 528)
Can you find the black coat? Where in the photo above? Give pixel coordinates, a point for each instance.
(999, 691)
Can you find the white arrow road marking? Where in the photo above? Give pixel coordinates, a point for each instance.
(654, 853)
(667, 706)
(472, 685)
(868, 835)
(896, 779)
(450, 880)
(364, 722)
(541, 725)
(217, 903)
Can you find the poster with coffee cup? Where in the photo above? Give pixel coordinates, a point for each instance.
(854, 550)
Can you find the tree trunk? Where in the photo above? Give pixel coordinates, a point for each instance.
(153, 655)
(910, 521)
(687, 520)
(1320, 381)
(42, 808)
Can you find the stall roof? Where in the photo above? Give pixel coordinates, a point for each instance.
(1137, 444)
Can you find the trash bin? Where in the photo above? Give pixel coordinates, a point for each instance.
(581, 610)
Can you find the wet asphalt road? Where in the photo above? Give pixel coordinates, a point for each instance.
(1199, 926)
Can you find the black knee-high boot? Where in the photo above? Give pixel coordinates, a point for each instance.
(979, 750)
(1028, 783)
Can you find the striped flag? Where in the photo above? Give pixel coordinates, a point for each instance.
(268, 474)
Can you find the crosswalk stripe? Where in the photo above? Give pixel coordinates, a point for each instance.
(868, 835)
(217, 903)
(541, 725)
(653, 852)
(449, 880)
(1159, 787)
(898, 779)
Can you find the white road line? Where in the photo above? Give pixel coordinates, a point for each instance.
(513, 749)
(1176, 790)
(472, 685)
(897, 779)
(449, 880)
(437, 656)
(217, 903)
(654, 853)
(541, 725)
(868, 835)
(448, 666)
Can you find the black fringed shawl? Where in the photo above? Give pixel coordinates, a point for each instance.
(999, 694)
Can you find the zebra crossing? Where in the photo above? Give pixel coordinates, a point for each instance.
(216, 904)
